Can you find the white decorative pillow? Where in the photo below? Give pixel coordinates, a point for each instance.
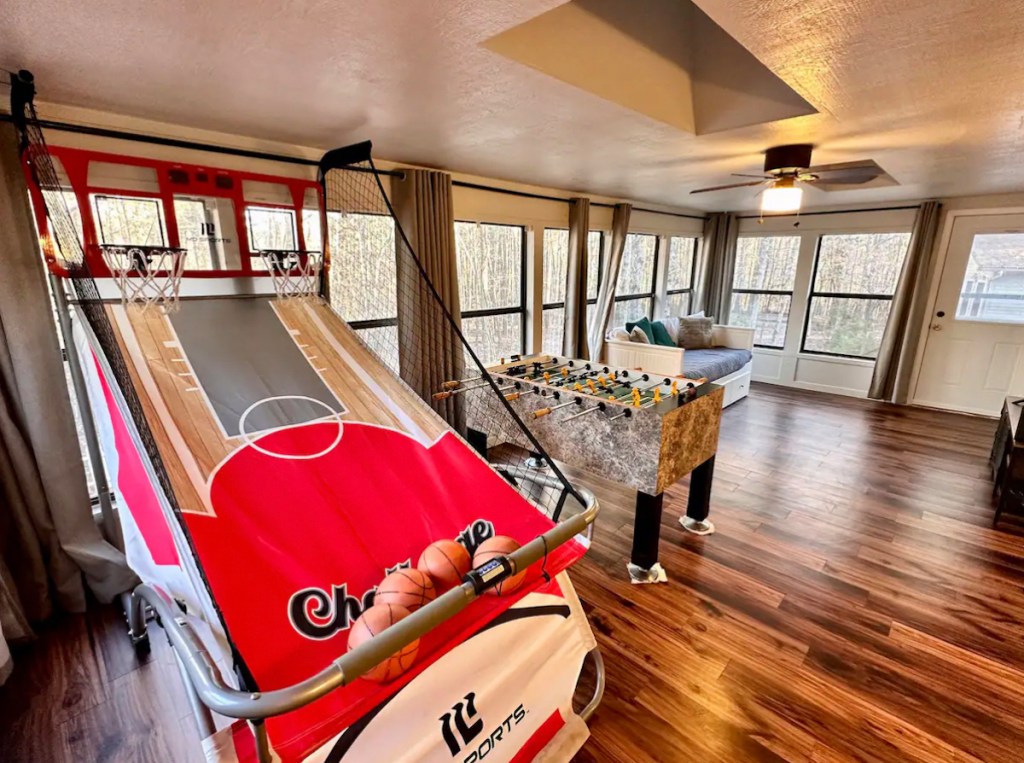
(696, 315)
(671, 325)
(637, 335)
(618, 335)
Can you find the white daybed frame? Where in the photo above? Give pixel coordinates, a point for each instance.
(654, 358)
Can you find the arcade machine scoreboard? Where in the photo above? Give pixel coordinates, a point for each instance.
(642, 430)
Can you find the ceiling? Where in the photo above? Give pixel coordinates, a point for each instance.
(930, 89)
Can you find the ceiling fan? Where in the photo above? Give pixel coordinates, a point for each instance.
(786, 168)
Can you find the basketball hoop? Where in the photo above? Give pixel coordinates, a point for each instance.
(146, 275)
(295, 273)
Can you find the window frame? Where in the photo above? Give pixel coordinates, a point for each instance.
(771, 292)
(157, 200)
(521, 309)
(693, 271)
(268, 208)
(652, 295)
(600, 274)
(811, 294)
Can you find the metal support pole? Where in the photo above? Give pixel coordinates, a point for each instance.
(110, 527)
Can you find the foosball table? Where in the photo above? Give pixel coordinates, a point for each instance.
(642, 430)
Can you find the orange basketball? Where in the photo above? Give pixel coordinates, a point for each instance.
(446, 561)
(499, 545)
(370, 623)
(406, 588)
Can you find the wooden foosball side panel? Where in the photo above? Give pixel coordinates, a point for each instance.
(689, 437)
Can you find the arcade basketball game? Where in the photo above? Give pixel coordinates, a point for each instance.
(341, 576)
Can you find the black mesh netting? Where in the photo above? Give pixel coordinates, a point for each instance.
(417, 333)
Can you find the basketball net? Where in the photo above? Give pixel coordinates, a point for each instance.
(146, 275)
(295, 273)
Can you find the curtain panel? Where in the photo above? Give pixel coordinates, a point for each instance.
(575, 343)
(609, 279)
(718, 252)
(430, 352)
(894, 364)
(50, 545)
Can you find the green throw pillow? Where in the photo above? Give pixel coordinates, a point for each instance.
(645, 326)
(661, 335)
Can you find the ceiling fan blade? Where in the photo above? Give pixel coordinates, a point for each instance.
(848, 173)
(741, 175)
(731, 185)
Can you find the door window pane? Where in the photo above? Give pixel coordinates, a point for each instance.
(271, 228)
(846, 326)
(680, 263)
(206, 228)
(767, 314)
(993, 287)
(363, 277)
(490, 262)
(630, 310)
(766, 263)
(636, 274)
(130, 221)
(868, 263)
(493, 337)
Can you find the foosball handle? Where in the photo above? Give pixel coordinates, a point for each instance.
(513, 396)
(453, 384)
(541, 412)
(443, 395)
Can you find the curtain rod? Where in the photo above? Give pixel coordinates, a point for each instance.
(543, 197)
(836, 212)
(104, 132)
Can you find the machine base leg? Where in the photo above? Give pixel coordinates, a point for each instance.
(639, 576)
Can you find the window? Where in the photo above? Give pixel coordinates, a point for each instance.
(682, 259)
(363, 278)
(634, 291)
(270, 228)
(492, 290)
(130, 221)
(855, 276)
(556, 255)
(762, 288)
(993, 287)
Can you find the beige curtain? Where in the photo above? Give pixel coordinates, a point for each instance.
(428, 348)
(609, 279)
(891, 378)
(718, 252)
(575, 343)
(48, 538)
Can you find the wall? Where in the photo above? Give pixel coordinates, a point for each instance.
(789, 366)
(470, 204)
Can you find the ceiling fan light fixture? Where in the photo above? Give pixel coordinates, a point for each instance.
(782, 196)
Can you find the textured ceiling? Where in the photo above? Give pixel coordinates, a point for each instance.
(930, 89)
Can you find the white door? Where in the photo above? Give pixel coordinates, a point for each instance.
(974, 348)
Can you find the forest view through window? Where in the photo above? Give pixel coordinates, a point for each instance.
(556, 257)
(762, 288)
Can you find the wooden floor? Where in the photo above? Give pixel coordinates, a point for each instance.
(853, 606)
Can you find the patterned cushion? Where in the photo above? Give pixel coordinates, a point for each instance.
(645, 324)
(637, 335)
(695, 333)
(618, 335)
(714, 363)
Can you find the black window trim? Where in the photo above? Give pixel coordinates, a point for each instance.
(519, 310)
(157, 200)
(770, 292)
(654, 277)
(693, 271)
(835, 295)
(248, 226)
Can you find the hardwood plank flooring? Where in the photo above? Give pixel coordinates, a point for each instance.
(854, 605)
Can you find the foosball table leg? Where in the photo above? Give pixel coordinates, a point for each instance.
(644, 566)
(699, 502)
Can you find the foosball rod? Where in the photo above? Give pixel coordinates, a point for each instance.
(541, 412)
(449, 393)
(599, 407)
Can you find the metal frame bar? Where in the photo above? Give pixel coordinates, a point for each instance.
(207, 690)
